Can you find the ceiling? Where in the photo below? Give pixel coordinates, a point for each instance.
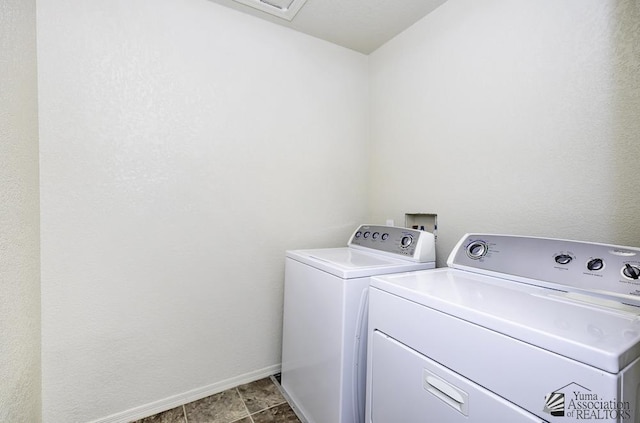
(360, 25)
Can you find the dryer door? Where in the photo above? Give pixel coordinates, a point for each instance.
(409, 387)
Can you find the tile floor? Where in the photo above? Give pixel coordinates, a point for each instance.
(255, 402)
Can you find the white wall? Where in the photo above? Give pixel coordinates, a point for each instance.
(184, 147)
(19, 216)
(511, 117)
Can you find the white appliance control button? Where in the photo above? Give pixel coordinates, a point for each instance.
(563, 259)
(595, 264)
(385, 236)
(477, 249)
(406, 241)
(366, 234)
(376, 235)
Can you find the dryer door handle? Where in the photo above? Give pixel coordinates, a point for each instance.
(451, 395)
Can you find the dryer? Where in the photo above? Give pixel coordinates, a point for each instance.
(325, 317)
(516, 329)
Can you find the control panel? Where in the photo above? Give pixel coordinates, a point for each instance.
(607, 270)
(410, 244)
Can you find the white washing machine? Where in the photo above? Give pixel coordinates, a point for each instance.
(516, 329)
(325, 317)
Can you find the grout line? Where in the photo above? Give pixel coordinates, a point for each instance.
(245, 405)
(184, 411)
(269, 408)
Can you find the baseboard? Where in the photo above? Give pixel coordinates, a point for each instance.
(186, 397)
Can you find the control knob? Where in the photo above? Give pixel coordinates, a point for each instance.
(595, 264)
(563, 259)
(477, 249)
(406, 241)
(630, 271)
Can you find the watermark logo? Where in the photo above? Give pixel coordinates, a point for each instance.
(577, 402)
(554, 404)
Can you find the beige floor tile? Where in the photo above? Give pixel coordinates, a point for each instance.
(279, 414)
(175, 415)
(225, 407)
(260, 395)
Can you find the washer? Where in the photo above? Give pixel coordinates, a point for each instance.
(516, 329)
(325, 317)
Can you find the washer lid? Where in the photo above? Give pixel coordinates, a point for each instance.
(347, 263)
(602, 333)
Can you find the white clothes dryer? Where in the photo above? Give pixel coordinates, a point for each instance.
(325, 317)
(516, 329)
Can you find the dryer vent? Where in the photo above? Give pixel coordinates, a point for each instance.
(285, 9)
